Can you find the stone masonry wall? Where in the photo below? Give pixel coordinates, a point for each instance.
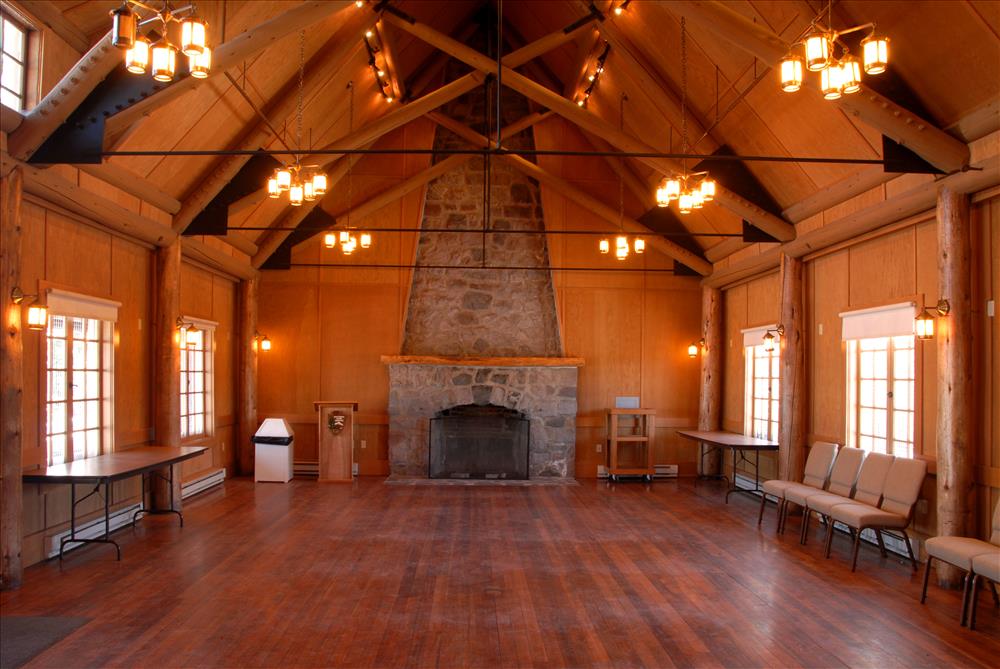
(482, 312)
(546, 394)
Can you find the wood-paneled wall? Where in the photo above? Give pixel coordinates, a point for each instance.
(897, 263)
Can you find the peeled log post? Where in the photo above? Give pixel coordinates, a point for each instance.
(11, 385)
(167, 369)
(710, 390)
(247, 376)
(956, 399)
(792, 417)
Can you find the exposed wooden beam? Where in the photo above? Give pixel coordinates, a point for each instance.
(639, 188)
(247, 306)
(133, 184)
(217, 259)
(389, 54)
(793, 407)
(901, 125)
(239, 242)
(231, 54)
(50, 15)
(583, 59)
(774, 226)
(921, 198)
(11, 120)
(39, 123)
(710, 397)
(333, 55)
(11, 383)
(478, 139)
(166, 371)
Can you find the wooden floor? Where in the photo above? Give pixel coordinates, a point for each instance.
(367, 575)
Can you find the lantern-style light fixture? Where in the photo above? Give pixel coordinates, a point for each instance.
(923, 324)
(769, 337)
(605, 246)
(263, 342)
(694, 347)
(37, 315)
(838, 75)
(161, 57)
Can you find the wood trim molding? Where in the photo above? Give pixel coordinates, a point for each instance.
(481, 362)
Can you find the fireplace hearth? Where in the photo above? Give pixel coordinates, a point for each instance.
(479, 442)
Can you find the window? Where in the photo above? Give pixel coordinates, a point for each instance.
(13, 61)
(77, 387)
(762, 373)
(196, 379)
(881, 387)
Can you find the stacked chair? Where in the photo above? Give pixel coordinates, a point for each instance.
(877, 493)
(978, 559)
(817, 474)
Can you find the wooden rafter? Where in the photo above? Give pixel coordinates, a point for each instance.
(901, 125)
(773, 225)
(389, 54)
(48, 13)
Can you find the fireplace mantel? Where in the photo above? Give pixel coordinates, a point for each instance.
(481, 362)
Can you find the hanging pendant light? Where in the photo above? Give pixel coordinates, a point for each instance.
(818, 49)
(605, 246)
(193, 35)
(319, 183)
(164, 60)
(621, 247)
(366, 240)
(639, 245)
(708, 189)
(790, 72)
(850, 74)
(307, 191)
(296, 194)
(330, 240)
(685, 203)
(123, 27)
(283, 176)
(829, 82)
(201, 64)
(137, 57)
(273, 191)
(875, 51)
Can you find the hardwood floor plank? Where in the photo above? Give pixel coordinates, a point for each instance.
(372, 575)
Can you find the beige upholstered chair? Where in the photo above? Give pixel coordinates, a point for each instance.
(842, 478)
(817, 473)
(985, 566)
(960, 551)
(867, 490)
(899, 495)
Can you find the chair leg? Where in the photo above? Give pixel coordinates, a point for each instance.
(829, 537)
(966, 587)
(996, 598)
(927, 576)
(763, 501)
(972, 604)
(881, 543)
(804, 531)
(909, 550)
(857, 545)
(783, 516)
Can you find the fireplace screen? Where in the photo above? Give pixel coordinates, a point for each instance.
(484, 442)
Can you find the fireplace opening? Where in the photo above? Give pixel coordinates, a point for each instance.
(479, 442)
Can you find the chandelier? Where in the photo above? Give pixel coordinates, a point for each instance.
(303, 183)
(160, 57)
(622, 245)
(349, 242)
(691, 190)
(817, 52)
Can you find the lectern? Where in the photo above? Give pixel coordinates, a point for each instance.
(336, 440)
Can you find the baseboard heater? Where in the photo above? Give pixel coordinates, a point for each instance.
(893, 544)
(94, 528)
(662, 472)
(310, 469)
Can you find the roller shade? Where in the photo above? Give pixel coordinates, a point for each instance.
(755, 336)
(893, 320)
(65, 303)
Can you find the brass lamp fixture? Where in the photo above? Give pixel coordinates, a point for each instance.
(923, 324)
(622, 244)
(37, 318)
(691, 190)
(263, 342)
(694, 347)
(160, 58)
(817, 51)
(769, 337)
(187, 333)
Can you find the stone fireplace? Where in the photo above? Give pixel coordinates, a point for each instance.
(477, 335)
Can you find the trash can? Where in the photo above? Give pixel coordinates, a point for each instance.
(273, 451)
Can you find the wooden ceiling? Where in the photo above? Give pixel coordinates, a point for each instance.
(945, 59)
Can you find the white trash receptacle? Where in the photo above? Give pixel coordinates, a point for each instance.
(273, 449)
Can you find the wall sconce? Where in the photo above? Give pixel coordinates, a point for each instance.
(263, 342)
(923, 324)
(188, 333)
(694, 347)
(769, 337)
(38, 314)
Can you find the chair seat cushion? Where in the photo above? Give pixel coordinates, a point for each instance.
(988, 565)
(958, 551)
(779, 488)
(798, 492)
(857, 515)
(822, 502)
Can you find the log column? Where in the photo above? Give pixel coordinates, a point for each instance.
(166, 394)
(956, 399)
(710, 388)
(792, 411)
(247, 376)
(11, 384)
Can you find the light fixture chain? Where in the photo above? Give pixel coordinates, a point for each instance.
(302, 68)
(350, 159)
(621, 166)
(684, 86)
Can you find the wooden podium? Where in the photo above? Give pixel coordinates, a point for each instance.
(336, 440)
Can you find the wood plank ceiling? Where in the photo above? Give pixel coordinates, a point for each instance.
(946, 53)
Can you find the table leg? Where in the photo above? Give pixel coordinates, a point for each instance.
(159, 512)
(107, 519)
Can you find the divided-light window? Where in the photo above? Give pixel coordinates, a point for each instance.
(881, 384)
(78, 388)
(196, 383)
(761, 389)
(13, 62)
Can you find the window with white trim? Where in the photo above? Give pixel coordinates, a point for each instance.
(761, 387)
(78, 377)
(13, 62)
(197, 358)
(881, 380)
